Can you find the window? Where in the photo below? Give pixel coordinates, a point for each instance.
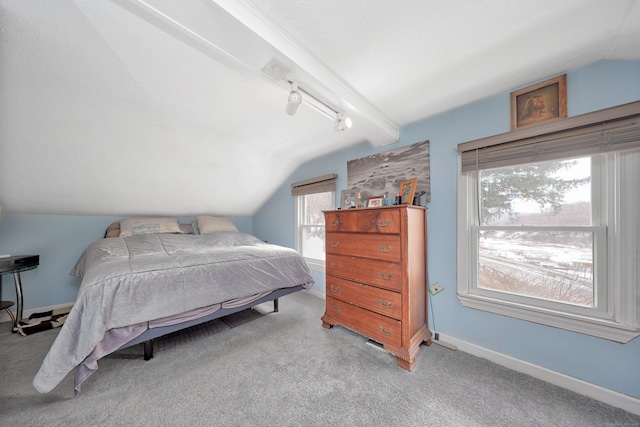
(310, 226)
(553, 240)
(536, 236)
(312, 197)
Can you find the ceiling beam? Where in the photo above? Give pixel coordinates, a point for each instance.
(236, 34)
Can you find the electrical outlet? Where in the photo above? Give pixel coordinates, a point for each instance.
(435, 288)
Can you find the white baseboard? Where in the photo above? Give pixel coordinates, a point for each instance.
(4, 317)
(610, 397)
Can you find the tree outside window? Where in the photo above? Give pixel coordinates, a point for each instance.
(528, 240)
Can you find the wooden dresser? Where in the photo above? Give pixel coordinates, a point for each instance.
(377, 276)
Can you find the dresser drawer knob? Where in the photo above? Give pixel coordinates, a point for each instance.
(386, 332)
(334, 223)
(335, 289)
(334, 244)
(385, 305)
(387, 276)
(336, 308)
(383, 224)
(382, 249)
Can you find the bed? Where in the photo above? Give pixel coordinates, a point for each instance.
(158, 276)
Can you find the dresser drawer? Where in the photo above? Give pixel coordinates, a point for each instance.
(379, 300)
(380, 328)
(383, 247)
(380, 273)
(385, 220)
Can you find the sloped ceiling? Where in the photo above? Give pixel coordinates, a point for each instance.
(159, 107)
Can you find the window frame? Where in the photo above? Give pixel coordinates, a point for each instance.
(300, 211)
(615, 201)
(321, 184)
(601, 309)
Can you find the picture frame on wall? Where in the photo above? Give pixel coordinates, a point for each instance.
(375, 202)
(382, 173)
(349, 198)
(407, 191)
(539, 103)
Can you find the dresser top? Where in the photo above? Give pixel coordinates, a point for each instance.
(377, 208)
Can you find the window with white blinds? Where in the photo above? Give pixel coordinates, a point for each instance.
(548, 223)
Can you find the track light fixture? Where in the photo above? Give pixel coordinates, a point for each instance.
(295, 99)
(342, 123)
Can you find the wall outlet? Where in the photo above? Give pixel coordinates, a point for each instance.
(435, 288)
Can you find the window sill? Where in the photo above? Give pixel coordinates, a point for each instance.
(316, 264)
(595, 327)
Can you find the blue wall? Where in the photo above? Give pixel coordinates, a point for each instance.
(59, 240)
(597, 86)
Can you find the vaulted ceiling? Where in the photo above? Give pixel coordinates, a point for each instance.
(164, 107)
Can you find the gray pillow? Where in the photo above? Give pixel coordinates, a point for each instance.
(134, 226)
(212, 224)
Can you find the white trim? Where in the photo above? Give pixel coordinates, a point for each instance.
(602, 394)
(4, 317)
(600, 328)
(296, 227)
(316, 264)
(628, 252)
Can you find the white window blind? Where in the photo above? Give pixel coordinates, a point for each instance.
(320, 184)
(612, 129)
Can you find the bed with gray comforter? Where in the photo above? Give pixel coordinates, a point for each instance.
(129, 282)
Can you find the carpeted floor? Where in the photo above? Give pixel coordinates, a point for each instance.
(284, 369)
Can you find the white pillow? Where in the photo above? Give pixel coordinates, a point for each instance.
(213, 224)
(134, 226)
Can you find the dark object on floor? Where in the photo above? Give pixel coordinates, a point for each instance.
(44, 321)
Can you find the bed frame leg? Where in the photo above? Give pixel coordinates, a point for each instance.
(148, 349)
(275, 305)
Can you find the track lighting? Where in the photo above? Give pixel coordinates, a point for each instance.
(342, 123)
(295, 99)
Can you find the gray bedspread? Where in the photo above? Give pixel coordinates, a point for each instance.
(136, 279)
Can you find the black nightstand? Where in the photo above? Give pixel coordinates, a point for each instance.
(16, 265)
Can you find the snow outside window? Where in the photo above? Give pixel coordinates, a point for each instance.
(310, 228)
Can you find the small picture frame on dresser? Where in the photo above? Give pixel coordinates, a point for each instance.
(407, 191)
(349, 198)
(375, 202)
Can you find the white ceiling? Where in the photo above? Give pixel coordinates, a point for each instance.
(160, 107)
